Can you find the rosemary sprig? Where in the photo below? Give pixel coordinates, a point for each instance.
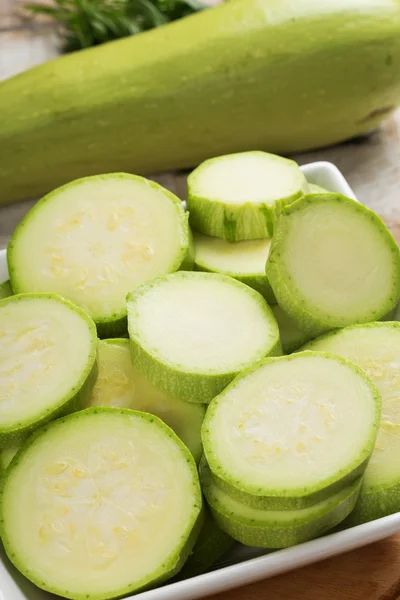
(86, 23)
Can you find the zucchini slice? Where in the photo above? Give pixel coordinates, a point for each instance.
(191, 333)
(277, 528)
(47, 362)
(290, 431)
(333, 263)
(120, 384)
(234, 196)
(6, 456)
(96, 239)
(100, 504)
(5, 290)
(291, 336)
(244, 261)
(210, 546)
(375, 348)
(313, 188)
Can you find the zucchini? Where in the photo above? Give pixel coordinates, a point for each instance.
(234, 197)
(120, 384)
(108, 235)
(100, 504)
(290, 431)
(375, 348)
(47, 362)
(210, 546)
(244, 261)
(191, 333)
(5, 289)
(333, 263)
(6, 456)
(277, 528)
(286, 76)
(291, 336)
(313, 188)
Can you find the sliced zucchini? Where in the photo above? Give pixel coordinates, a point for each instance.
(5, 290)
(47, 362)
(191, 333)
(120, 384)
(376, 349)
(96, 239)
(100, 504)
(291, 336)
(244, 261)
(188, 261)
(210, 546)
(6, 456)
(290, 431)
(277, 528)
(333, 263)
(234, 196)
(313, 188)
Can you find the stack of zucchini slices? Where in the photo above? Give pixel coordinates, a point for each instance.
(151, 413)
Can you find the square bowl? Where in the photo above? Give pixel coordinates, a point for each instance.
(242, 565)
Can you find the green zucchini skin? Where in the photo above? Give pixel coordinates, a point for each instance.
(5, 289)
(201, 87)
(210, 546)
(267, 529)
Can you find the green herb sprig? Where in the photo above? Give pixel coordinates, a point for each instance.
(86, 23)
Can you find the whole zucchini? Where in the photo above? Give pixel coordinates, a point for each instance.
(281, 75)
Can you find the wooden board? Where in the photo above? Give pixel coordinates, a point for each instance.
(372, 166)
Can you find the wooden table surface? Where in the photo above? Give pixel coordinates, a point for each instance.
(372, 167)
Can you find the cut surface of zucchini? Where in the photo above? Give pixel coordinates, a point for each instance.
(100, 504)
(5, 289)
(291, 336)
(289, 431)
(375, 348)
(191, 333)
(47, 362)
(210, 546)
(234, 196)
(333, 263)
(120, 384)
(244, 261)
(313, 188)
(96, 239)
(277, 528)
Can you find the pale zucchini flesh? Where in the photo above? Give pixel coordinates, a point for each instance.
(375, 348)
(234, 197)
(290, 431)
(333, 263)
(120, 384)
(100, 504)
(244, 261)
(191, 333)
(96, 239)
(47, 362)
(277, 528)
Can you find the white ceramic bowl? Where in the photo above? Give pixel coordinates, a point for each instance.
(242, 564)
